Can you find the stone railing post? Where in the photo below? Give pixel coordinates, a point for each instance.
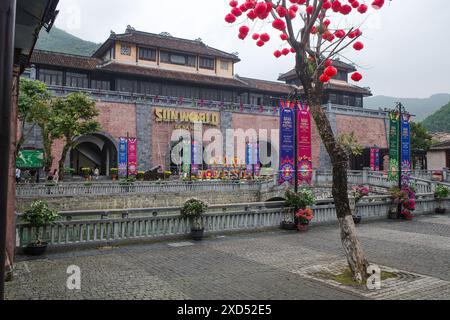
(365, 177)
(445, 175)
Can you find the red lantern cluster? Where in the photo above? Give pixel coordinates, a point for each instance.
(243, 32)
(328, 73)
(261, 9)
(279, 24)
(263, 38)
(378, 4)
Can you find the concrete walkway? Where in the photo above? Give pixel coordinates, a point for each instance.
(268, 265)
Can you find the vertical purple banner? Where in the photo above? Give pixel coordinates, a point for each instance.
(196, 158)
(375, 159)
(287, 121)
(304, 133)
(123, 157)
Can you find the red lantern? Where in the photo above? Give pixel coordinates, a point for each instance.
(357, 77)
(358, 46)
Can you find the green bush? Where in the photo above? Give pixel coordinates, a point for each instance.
(39, 215)
(442, 192)
(193, 208)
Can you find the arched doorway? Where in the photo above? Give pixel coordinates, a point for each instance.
(94, 151)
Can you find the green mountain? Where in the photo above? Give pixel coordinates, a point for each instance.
(60, 41)
(421, 108)
(439, 121)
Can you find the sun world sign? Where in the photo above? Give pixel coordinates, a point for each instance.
(188, 117)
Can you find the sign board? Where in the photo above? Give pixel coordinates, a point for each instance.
(30, 159)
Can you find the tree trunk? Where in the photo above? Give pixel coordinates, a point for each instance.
(62, 162)
(339, 160)
(48, 158)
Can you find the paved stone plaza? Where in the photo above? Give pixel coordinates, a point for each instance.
(266, 265)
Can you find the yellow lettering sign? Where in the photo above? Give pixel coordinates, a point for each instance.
(172, 115)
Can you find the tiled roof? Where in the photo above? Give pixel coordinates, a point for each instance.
(173, 75)
(166, 42)
(336, 63)
(441, 146)
(347, 87)
(343, 86)
(268, 86)
(62, 59)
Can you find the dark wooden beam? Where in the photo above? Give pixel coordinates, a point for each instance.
(7, 30)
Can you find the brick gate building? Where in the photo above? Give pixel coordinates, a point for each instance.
(146, 85)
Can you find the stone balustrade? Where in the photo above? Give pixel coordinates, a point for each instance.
(80, 228)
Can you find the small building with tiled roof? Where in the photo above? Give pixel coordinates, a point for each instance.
(438, 157)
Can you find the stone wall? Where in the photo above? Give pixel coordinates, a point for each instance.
(124, 201)
(163, 199)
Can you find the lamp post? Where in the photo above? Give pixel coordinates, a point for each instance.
(128, 163)
(401, 111)
(295, 145)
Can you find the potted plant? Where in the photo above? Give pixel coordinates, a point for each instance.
(69, 171)
(86, 173)
(167, 174)
(193, 209)
(114, 172)
(140, 175)
(398, 197)
(37, 216)
(358, 193)
(442, 193)
(295, 202)
(408, 203)
(304, 217)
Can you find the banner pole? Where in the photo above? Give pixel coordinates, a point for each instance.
(295, 147)
(400, 154)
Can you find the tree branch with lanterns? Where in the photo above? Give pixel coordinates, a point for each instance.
(308, 30)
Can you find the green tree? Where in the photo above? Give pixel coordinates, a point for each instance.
(34, 109)
(73, 116)
(439, 121)
(420, 138)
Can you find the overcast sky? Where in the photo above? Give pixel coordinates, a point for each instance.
(407, 43)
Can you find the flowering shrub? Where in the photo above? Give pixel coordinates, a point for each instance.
(410, 205)
(304, 216)
(399, 196)
(406, 214)
(360, 192)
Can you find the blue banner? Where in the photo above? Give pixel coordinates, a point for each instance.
(196, 158)
(406, 150)
(123, 157)
(287, 141)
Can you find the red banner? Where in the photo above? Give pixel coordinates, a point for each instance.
(304, 133)
(132, 156)
(375, 159)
